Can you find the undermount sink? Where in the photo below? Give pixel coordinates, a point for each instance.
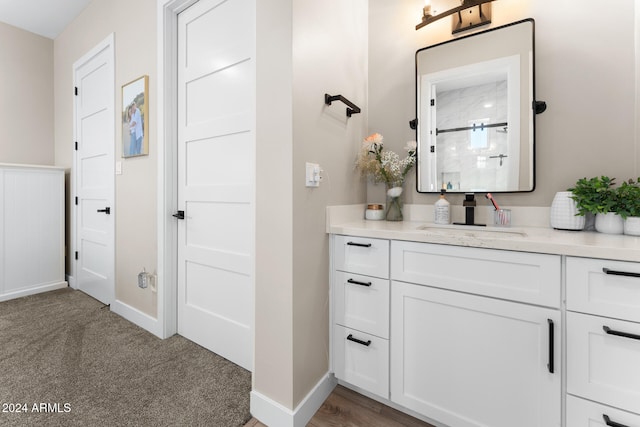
(472, 231)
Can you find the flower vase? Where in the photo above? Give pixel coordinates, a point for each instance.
(395, 201)
(564, 212)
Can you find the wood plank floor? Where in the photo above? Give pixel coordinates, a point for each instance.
(346, 408)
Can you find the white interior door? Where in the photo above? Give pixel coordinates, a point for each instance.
(216, 145)
(94, 172)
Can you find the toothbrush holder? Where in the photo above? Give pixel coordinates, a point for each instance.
(502, 217)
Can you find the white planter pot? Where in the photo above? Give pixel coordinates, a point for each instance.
(563, 213)
(632, 226)
(609, 223)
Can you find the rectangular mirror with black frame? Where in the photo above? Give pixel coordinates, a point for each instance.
(475, 106)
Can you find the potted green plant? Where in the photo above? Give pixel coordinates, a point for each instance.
(597, 196)
(628, 206)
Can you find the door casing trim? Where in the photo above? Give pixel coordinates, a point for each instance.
(167, 195)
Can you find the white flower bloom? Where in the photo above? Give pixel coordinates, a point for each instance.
(394, 192)
(411, 146)
(384, 166)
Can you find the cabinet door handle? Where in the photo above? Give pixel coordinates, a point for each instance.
(362, 245)
(610, 331)
(355, 282)
(551, 344)
(106, 210)
(605, 270)
(356, 340)
(610, 423)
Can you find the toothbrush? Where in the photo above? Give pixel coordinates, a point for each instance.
(493, 201)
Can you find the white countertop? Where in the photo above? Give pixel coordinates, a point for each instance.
(344, 220)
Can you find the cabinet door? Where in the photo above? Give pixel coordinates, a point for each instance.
(470, 361)
(583, 413)
(603, 360)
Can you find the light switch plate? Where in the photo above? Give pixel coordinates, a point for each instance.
(312, 175)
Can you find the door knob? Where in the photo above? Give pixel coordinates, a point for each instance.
(179, 215)
(106, 210)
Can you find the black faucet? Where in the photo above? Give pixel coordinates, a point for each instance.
(469, 204)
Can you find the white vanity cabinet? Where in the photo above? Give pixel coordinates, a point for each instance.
(464, 359)
(533, 327)
(360, 289)
(603, 342)
(463, 336)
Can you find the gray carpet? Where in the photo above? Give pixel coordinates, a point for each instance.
(90, 367)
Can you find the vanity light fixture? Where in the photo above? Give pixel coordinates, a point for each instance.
(470, 14)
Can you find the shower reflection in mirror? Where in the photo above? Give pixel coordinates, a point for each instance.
(469, 114)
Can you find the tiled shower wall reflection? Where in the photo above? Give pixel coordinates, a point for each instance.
(464, 157)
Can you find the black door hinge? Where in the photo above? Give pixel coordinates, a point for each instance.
(433, 102)
(75, 90)
(76, 254)
(76, 200)
(76, 145)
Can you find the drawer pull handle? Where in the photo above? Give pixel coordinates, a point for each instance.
(610, 423)
(362, 245)
(356, 340)
(620, 273)
(610, 331)
(355, 282)
(551, 349)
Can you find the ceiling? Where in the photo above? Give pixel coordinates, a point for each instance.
(44, 17)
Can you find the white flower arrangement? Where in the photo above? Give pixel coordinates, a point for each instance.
(385, 166)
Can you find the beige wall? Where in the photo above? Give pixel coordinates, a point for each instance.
(299, 60)
(585, 72)
(329, 56)
(273, 374)
(26, 97)
(134, 25)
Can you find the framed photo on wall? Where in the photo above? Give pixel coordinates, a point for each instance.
(135, 112)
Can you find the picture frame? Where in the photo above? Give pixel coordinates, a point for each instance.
(135, 114)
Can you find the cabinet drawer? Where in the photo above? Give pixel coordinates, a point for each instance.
(606, 288)
(603, 366)
(363, 363)
(362, 302)
(516, 276)
(362, 256)
(581, 413)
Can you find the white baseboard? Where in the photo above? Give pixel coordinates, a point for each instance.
(272, 413)
(136, 316)
(31, 291)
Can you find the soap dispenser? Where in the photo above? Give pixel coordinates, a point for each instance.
(442, 210)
